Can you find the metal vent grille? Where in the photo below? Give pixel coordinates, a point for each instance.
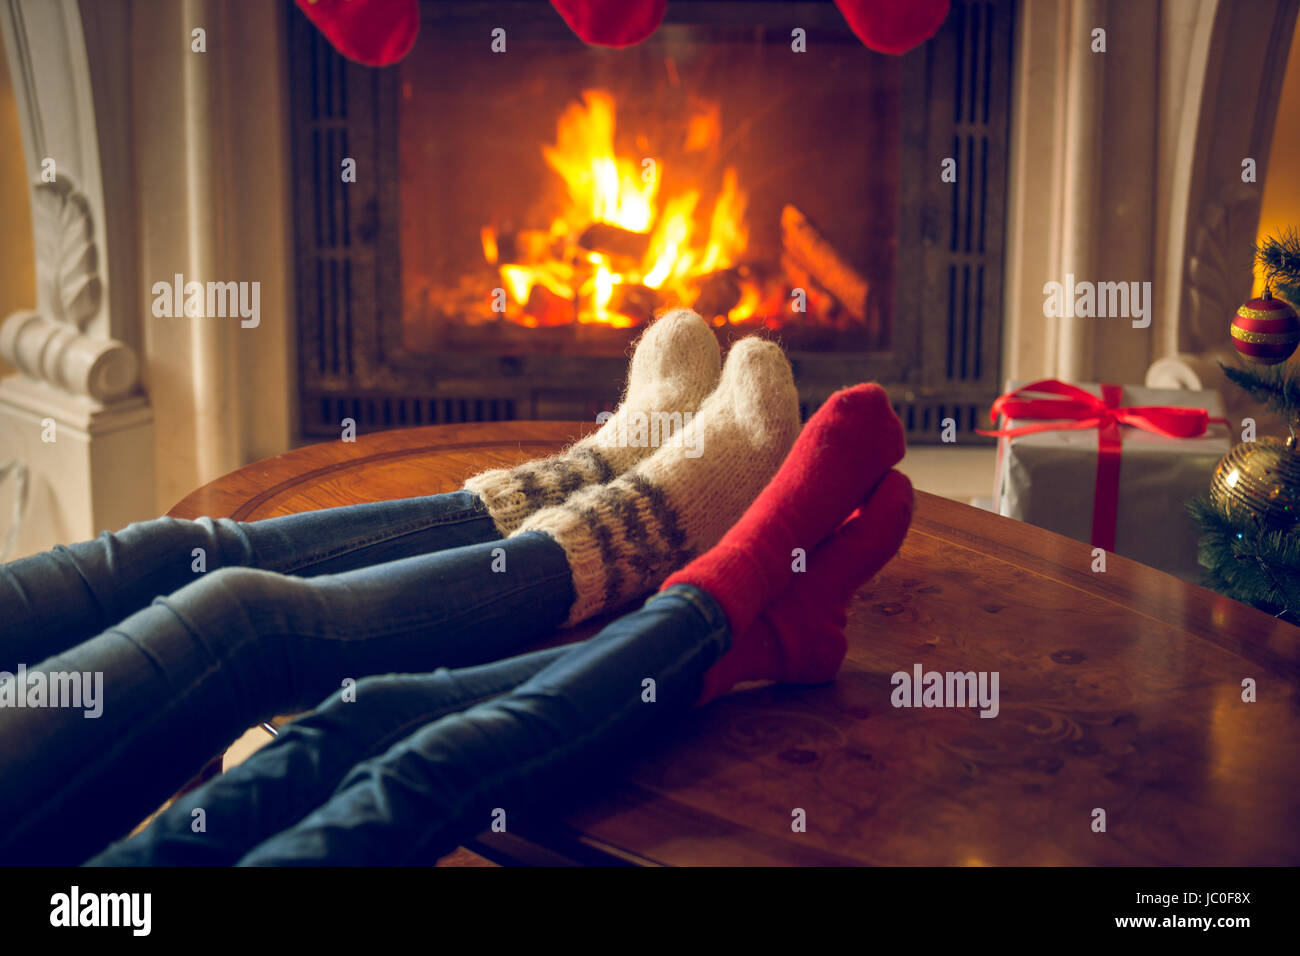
(324, 415)
(977, 34)
(324, 225)
(923, 421)
(973, 23)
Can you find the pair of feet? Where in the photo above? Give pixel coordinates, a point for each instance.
(781, 551)
(690, 446)
(835, 513)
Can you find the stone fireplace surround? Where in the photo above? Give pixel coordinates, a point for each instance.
(1125, 166)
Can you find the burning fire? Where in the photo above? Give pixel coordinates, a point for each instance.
(620, 248)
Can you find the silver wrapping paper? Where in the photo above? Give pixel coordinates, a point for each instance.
(1049, 480)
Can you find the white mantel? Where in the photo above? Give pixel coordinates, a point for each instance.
(167, 161)
(1125, 166)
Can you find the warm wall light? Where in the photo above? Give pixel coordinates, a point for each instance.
(1280, 205)
(17, 253)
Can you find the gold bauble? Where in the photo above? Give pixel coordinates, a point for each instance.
(1259, 480)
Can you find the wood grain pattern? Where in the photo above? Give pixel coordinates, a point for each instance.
(1119, 690)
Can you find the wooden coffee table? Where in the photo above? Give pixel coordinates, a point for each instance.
(1120, 691)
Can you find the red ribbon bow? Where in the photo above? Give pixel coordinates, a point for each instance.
(1077, 410)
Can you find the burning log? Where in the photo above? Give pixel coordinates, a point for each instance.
(521, 247)
(547, 307)
(820, 302)
(811, 253)
(719, 293)
(614, 240)
(635, 301)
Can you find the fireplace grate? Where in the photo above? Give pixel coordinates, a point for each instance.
(324, 416)
(924, 421)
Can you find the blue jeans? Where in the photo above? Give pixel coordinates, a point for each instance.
(416, 765)
(53, 601)
(287, 611)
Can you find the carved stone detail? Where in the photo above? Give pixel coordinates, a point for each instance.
(67, 261)
(55, 352)
(52, 345)
(8, 544)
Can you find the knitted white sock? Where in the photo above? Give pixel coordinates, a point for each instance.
(623, 538)
(673, 368)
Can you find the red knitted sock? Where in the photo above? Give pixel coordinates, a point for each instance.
(373, 32)
(839, 456)
(798, 637)
(893, 27)
(611, 22)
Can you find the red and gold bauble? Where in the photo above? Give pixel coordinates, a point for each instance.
(1266, 330)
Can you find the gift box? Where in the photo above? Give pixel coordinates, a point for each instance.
(1110, 465)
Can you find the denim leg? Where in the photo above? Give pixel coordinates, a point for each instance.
(296, 772)
(184, 677)
(52, 601)
(549, 736)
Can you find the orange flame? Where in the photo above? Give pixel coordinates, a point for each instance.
(623, 192)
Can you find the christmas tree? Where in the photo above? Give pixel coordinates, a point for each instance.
(1250, 522)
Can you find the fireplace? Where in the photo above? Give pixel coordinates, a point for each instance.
(518, 215)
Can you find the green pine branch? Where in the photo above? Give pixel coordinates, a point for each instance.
(1288, 291)
(1279, 258)
(1248, 561)
(1273, 385)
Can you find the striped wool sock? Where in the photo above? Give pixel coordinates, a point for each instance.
(624, 537)
(673, 368)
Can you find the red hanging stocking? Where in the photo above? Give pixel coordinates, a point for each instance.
(611, 22)
(372, 32)
(894, 26)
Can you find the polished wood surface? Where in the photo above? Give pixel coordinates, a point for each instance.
(1119, 690)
